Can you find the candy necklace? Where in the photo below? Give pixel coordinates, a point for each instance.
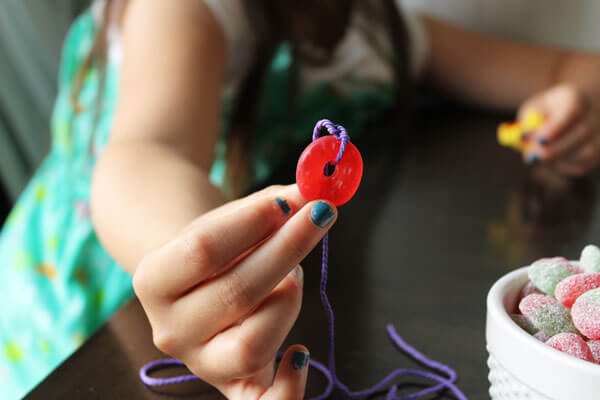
(320, 177)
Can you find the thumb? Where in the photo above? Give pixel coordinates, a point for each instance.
(290, 380)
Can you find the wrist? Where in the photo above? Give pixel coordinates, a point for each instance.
(580, 70)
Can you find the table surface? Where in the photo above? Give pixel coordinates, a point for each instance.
(442, 212)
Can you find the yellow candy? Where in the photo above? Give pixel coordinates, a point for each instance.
(510, 134)
(532, 120)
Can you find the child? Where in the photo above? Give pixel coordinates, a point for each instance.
(220, 281)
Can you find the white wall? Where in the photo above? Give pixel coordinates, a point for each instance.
(570, 23)
(31, 35)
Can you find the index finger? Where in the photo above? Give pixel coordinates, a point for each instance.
(213, 243)
(562, 108)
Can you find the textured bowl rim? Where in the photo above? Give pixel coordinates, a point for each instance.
(542, 368)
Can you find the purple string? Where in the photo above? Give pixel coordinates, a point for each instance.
(336, 130)
(329, 371)
(163, 364)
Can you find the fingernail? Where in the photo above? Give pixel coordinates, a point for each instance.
(533, 159)
(299, 273)
(285, 207)
(543, 141)
(299, 360)
(321, 214)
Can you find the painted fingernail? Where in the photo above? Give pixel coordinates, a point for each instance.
(543, 141)
(321, 214)
(285, 207)
(533, 159)
(299, 360)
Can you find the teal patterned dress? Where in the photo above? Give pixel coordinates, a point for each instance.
(57, 283)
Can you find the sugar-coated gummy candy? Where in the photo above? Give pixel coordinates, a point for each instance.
(547, 314)
(524, 323)
(590, 259)
(586, 314)
(541, 336)
(528, 289)
(572, 344)
(569, 289)
(594, 346)
(546, 273)
(576, 267)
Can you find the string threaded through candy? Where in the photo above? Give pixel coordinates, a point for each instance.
(333, 382)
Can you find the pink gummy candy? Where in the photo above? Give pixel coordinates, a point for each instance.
(586, 314)
(541, 336)
(594, 346)
(528, 289)
(569, 289)
(547, 314)
(572, 344)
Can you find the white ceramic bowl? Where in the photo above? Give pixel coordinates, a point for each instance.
(522, 367)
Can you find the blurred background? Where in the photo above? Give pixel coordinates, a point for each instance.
(31, 33)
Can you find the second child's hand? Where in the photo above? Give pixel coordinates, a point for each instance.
(569, 140)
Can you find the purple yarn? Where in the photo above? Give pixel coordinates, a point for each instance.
(163, 364)
(336, 130)
(329, 371)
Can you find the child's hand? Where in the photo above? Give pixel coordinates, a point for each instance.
(570, 138)
(223, 295)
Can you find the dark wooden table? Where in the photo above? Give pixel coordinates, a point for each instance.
(442, 212)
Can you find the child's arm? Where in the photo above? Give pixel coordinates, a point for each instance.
(563, 84)
(152, 178)
(221, 288)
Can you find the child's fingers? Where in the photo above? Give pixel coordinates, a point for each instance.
(562, 106)
(233, 294)
(581, 161)
(288, 192)
(253, 344)
(573, 138)
(290, 380)
(569, 169)
(587, 155)
(204, 250)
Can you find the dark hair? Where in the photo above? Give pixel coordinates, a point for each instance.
(313, 24)
(304, 24)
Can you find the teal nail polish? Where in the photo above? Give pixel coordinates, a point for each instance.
(299, 360)
(533, 159)
(321, 214)
(285, 207)
(543, 141)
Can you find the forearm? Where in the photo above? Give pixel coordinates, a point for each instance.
(499, 73)
(143, 193)
(581, 70)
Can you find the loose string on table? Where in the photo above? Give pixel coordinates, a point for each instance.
(333, 382)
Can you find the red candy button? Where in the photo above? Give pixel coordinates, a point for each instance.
(317, 178)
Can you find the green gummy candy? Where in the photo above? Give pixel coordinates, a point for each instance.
(552, 319)
(524, 323)
(546, 273)
(591, 296)
(590, 259)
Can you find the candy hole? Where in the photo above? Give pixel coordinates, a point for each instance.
(328, 169)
